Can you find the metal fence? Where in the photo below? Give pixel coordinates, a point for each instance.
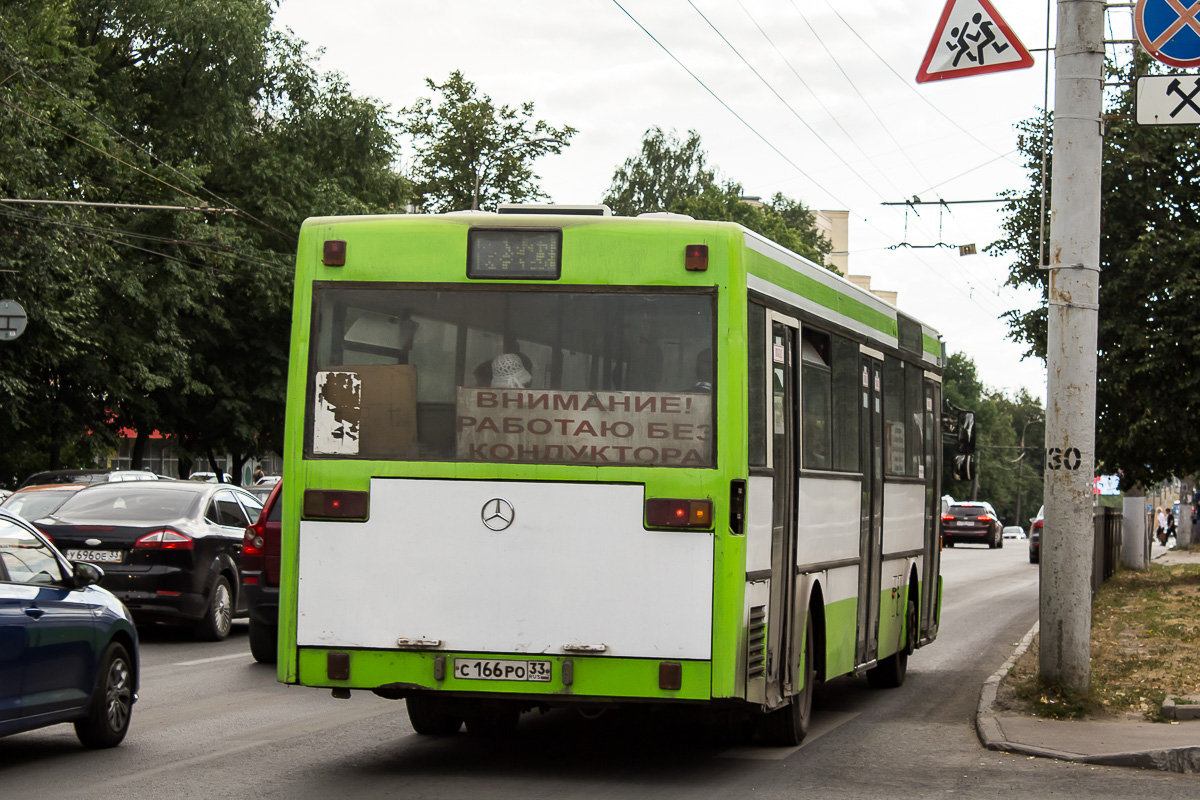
(1106, 555)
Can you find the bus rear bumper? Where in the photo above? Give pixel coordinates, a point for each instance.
(544, 680)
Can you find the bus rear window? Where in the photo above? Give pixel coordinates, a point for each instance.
(531, 376)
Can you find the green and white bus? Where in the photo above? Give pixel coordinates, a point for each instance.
(549, 457)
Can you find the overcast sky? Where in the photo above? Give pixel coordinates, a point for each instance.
(816, 99)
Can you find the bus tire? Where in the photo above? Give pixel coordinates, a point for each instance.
(787, 726)
(891, 671)
(493, 722)
(428, 718)
(264, 642)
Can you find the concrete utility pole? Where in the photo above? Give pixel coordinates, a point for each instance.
(1067, 537)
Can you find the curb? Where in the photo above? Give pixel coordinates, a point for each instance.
(1177, 759)
(986, 725)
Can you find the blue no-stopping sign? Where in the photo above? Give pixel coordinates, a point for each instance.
(1169, 30)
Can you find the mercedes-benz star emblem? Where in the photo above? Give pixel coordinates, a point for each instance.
(497, 514)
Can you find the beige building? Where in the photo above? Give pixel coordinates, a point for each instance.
(835, 226)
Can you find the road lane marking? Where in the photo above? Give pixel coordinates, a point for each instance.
(210, 660)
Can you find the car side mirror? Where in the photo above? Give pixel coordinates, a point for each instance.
(86, 574)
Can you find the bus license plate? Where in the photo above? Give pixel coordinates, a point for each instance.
(96, 556)
(485, 670)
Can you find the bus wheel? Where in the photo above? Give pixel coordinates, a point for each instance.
(891, 671)
(493, 721)
(428, 718)
(787, 726)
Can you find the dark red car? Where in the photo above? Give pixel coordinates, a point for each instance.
(1035, 536)
(260, 577)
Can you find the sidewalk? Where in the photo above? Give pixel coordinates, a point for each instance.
(1174, 747)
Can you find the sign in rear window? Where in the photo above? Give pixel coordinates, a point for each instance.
(521, 253)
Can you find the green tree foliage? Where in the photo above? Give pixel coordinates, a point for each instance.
(156, 319)
(1000, 422)
(471, 153)
(673, 175)
(1147, 388)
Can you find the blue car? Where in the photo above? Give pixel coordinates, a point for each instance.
(68, 648)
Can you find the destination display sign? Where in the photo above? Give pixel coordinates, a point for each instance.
(514, 253)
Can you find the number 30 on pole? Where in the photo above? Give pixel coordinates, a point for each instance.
(1058, 458)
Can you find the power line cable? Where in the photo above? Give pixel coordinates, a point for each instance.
(907, 83)
(786, 104)
(854, 86)
(109, 232)
(27, 69)
(833, 117)
(925, 265)
(727, 107)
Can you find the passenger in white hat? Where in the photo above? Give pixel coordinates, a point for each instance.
(508, 372)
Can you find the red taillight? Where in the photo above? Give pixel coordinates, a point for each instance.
(947, 518)
(679, 513)
(984, 518)
(252, 542)
(339, 504)
(695, 257)
(164, 540)
(334, 253)
(1037, 526)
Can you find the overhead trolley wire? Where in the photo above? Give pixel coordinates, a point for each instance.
(788, 105)
(110, 234)
(908, 83)
(969, 295)
(727, 107)
(849, 136)
(21, 66)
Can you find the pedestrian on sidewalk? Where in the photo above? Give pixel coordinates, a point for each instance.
(1171, 528)
(1160, 532)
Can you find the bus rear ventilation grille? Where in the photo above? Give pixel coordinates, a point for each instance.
(757, 645)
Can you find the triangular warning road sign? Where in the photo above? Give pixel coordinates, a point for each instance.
(971, 38)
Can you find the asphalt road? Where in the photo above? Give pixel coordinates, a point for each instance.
(213, 724)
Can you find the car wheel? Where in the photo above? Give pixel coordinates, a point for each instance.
(112, 701)
(264, 642)
(214, 626)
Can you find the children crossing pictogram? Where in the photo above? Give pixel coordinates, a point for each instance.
(971, 38)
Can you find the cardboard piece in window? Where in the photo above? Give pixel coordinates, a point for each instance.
(389, 411)
(366, 412)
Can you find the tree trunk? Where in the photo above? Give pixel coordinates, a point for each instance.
(1183, 524)
(139, 450)
(212, 462)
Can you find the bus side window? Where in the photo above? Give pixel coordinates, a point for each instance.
(756, 388)
(817, 412)
(846, 380)
(895, 454)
